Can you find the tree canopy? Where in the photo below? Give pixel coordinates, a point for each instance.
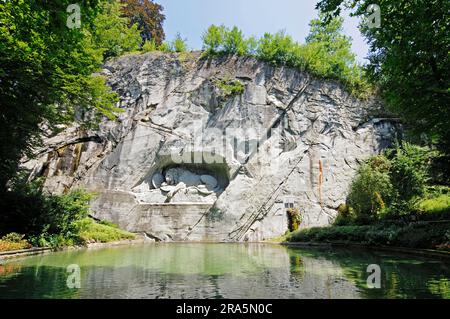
(47, 67)
(148, 17)
(409, 60)
(326, 53)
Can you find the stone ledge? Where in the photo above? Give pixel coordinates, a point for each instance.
(24, 252)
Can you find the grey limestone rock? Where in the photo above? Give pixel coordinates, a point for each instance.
(232, 159)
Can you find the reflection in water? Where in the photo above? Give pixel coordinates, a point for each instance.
(223, 271)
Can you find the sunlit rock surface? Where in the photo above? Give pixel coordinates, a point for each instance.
(288, 135)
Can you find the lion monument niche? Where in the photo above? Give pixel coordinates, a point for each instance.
(177, 179)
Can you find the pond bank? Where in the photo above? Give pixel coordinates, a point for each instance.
(405, 250)
(45, 250)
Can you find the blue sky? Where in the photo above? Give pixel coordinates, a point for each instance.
(254, 17)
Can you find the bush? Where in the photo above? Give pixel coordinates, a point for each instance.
(165, 47)
(13, 241)
(27, 210)
(372, 189)
(419, 235)
(294, 219)
(179, 44)
(230, 87)
(149, 46)
(345, 216)
(213, 40)
(410, 170)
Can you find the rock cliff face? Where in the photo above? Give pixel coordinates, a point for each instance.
(216, 150)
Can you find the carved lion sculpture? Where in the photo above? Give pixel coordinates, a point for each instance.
(177, 179)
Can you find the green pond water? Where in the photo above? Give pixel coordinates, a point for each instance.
(223, 271)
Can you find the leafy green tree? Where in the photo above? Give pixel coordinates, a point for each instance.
(213, 39)
(234, 42)
(278, 49)
(409, 60)
(149, 19)
(111, 33)
(45, 74)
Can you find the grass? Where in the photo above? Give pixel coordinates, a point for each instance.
(428, 235)
(438, 204)
(91, 231)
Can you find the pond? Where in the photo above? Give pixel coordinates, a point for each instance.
(222, 271)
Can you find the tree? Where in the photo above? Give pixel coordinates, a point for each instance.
(111, 33)
(213, 39)
(409, 60)
(149, 18)
(335, 47)
(45, 75)
(179, 44)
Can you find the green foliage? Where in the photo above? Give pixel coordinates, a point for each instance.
(89, 231)
(419, 235)
(327, 52)
(345, 216)
(294, 219)
(46, 73)
(26, 210)
(213, 40)
(165, 47)
(391, 185)
(108, 223)
(111, 34)
(372, 189)
(149, 46)
(279, 49)
(234, 42)
(13, 241)
(434, 207)
(230, 87)
(409, 61)
(13, 237)
(179, 44)
(410, 170)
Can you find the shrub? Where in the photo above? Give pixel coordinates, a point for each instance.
(165, 47)
(27, 210)
(234, 42)
(278, 49)
(294, 219)
(149, 46)
(371, 190)
(410, 170)
(213, 39)
(327, 52)
(13, 241)
(179, 44)
(230, 87)
(345, 216)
